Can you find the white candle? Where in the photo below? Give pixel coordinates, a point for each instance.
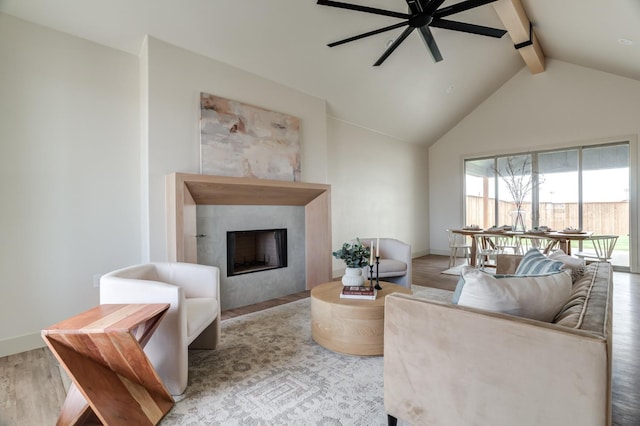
(371, 253)
(378, 247)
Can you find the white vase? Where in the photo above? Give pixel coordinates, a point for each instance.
(353, 276)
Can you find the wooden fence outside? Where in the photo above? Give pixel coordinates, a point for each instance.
(601, 218)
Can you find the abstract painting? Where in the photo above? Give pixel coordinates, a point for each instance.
(243, 140)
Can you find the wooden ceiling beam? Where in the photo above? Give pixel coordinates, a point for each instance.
(517, 23)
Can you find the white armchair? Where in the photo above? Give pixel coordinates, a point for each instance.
(192, 290)
(395, 261)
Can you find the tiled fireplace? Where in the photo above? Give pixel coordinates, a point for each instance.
(201, 209)
(252, 271)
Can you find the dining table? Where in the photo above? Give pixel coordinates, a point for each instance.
(563, 238)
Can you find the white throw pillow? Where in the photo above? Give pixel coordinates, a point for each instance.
(538, 297)
(575, 265)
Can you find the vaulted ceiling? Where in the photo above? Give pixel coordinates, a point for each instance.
(410, 97)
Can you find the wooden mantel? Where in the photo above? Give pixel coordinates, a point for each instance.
(185, 191)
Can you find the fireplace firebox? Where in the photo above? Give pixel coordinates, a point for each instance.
(256, 250)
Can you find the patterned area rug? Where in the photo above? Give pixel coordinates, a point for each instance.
(269, 371)
(432, 293)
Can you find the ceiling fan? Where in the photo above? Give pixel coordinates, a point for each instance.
(422, 15)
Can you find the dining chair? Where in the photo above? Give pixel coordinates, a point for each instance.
(507, 244)
(457, 242)
(487, 249)
(489, 246)
(603, 248)
(542, 243)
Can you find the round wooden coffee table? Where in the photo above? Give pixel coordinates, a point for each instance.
(349, 326)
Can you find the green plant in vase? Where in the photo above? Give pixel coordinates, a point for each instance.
(355, 256)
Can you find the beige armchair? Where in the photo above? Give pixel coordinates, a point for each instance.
(192, 290)
(395, 261)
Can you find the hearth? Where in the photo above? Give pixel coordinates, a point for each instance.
(256, 250)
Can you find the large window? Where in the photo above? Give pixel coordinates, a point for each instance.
(584, 187)
(558, 189)
(480, 192)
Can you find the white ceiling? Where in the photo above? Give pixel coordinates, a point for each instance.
(406, 98)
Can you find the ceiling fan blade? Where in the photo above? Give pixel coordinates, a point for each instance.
(430, 42)
(363, 9)
(467, 28)
(414, 6)
(393, 46)
(432, 6)
(460, 7)
(367, 34)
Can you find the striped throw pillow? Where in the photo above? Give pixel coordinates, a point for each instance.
(536, 263)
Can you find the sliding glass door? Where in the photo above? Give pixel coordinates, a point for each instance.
(605, 195)
(480, 191)
(558, 189)
(584, 187)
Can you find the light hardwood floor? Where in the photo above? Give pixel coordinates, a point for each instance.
(32, 389)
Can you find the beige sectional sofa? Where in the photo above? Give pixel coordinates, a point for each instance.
(446, 364)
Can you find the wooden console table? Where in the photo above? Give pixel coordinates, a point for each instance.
(114, 382)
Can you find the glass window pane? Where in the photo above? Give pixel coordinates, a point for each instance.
(514, 190)
(605, 195)
(479, 192)
(558, 189)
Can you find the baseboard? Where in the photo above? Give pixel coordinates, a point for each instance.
(15, 345)
(419, 253)
(441, 252)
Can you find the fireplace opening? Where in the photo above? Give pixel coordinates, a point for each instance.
(257, 250)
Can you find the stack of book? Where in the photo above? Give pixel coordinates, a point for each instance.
(358, 292)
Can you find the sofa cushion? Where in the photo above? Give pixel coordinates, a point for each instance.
(538, 297)
(201, 311)
(573, 264)
(389, 268)
(586, 309)
(535, 263)
(461, 282)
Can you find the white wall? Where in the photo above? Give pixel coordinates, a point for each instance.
(378, 188)
(87, 135)
(68, 175)
(176, 78)
(391, 203)
(567, 105)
